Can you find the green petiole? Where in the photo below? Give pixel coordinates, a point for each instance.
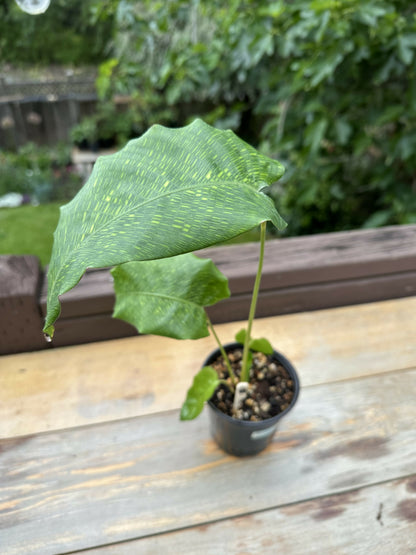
(245, 366)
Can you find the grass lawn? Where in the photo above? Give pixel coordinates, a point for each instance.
(29, 230)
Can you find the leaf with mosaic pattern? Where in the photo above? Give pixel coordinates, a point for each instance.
(169, 192)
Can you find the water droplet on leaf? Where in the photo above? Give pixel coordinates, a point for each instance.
(47, 337)
(33, 7)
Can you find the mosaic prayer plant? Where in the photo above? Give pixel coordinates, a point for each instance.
(143, 212)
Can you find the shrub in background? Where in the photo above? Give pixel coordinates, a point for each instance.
(66, 33)
(326, 86)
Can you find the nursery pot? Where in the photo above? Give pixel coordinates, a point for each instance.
(242, 437)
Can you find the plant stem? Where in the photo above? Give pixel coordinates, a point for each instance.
(245, 369)
(224, 354)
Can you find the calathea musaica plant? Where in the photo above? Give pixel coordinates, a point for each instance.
(143, 211)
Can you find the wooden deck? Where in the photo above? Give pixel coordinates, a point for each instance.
(93, 455)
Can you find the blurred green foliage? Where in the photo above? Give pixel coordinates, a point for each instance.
(327, 86)
(65, 34)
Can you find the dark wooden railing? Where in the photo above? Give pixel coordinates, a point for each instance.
(300, 274)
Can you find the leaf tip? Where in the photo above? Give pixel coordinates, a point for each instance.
(48, 332)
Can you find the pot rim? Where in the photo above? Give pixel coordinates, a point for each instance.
(288, 366)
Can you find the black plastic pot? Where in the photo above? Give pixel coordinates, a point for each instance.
(239, 437)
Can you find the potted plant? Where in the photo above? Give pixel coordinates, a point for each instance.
(143, 211)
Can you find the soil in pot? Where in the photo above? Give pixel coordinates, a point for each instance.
(271, 388)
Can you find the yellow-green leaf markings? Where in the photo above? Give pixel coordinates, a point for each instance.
(169, 192)
(167, 296)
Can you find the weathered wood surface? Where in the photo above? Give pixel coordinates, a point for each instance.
(20, 317)
(301, 273)
(57, 388)
(340, 473)
(115, 481)
(375, 520)
(322, 258)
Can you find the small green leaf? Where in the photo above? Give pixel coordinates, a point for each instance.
(167, 297)
(406, 44)
(314, 134)
(240, 336)
(261, 345)
(342, 131)
(202, 389)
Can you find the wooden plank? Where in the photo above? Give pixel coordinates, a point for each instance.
(34, 121)
(74, 330)
(289, 263)
(315, 296)
(321, 258)
(56, 388)
(369, 521)
(95, 485)
(20, 134)
(94, 294)
(50, 121)
(301, 273)
(8, 131)
(95, 327)
(59, 114)
(20, 319)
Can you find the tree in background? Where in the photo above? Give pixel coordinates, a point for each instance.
(66, 33)
(328, 86)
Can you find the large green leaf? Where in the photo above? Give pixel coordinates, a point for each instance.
(167, 296)
(169, 192)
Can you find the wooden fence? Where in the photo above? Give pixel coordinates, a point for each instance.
(43, 112)
(300, 274)
(41, 120)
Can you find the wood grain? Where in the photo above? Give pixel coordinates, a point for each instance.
(92, 383)
(116, 481)
(316, 296)
(320, 258)
(369, 521)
